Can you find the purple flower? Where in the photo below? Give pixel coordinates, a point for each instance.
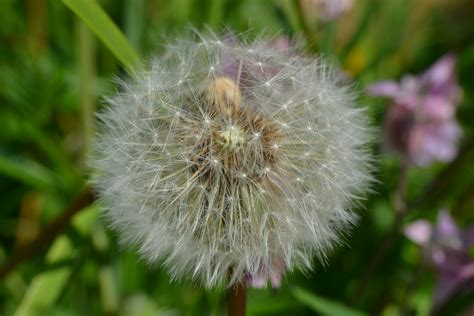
(275, 276)
(420, 122)
(447, 248)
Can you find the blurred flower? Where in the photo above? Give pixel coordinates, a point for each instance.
(447, 248)
(420, 122)
(327, 10)
(227, 157)
(259, 280)
(281, 43)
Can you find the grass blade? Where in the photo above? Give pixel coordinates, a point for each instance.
(103, 26)
(28, 172)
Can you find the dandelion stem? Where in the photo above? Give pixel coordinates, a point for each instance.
(236, 299)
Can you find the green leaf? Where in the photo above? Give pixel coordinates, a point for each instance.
(322, 305)
(134, 11)
(46, 287)
(138, 303)
(27, 171)
(103, 26)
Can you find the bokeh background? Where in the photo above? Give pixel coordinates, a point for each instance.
(412, 252)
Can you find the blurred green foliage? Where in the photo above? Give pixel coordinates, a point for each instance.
(53, 71)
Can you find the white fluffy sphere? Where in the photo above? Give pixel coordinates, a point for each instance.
(229, 159)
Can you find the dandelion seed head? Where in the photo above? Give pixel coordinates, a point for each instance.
(207, 177)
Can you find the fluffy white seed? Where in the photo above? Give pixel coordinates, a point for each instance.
(231, 157)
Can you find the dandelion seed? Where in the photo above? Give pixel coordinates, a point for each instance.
(198, 197)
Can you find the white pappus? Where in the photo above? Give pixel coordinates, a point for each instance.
(227, 158)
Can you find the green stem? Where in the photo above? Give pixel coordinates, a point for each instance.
(37, 37)
(86, 65)
(310, 35)
(216, 13)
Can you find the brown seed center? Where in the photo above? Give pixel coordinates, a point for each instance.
(240, 142)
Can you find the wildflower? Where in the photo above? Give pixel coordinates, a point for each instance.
(447, 249)
(232, 159)
(420, 122)
(275, 276)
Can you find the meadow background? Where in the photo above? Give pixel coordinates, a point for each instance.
(59, 58)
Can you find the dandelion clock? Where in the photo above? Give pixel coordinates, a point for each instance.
(226, 160)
